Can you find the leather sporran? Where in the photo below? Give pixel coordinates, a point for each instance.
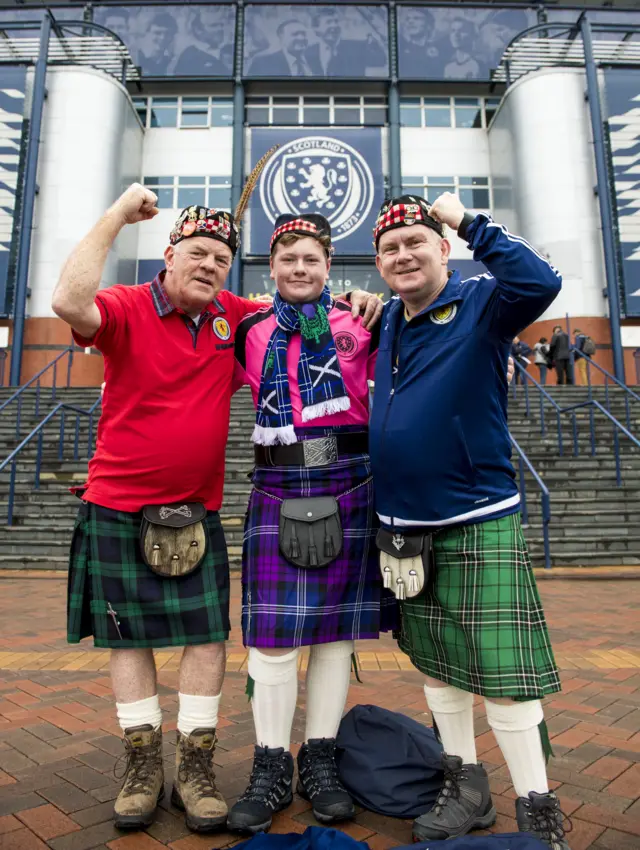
(406, 562)
(310, 532)
(173, 538)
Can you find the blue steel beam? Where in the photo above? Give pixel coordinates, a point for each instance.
(237, 161)
(28, 201)
(393, 109)
(604, 196)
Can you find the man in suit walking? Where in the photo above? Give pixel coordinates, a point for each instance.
(559, 354)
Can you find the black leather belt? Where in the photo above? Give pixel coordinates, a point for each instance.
(320, 451)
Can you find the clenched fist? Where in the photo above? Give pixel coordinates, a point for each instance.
(448, 209)
(136, 204)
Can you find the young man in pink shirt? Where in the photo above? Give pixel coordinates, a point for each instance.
(310, 566)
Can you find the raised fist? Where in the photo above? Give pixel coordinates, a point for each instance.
(448, 209)
(136, 204)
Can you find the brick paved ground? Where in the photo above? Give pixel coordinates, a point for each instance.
(59, 741)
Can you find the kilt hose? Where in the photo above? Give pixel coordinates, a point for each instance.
(480, 625)
(286, 606)
(114, 596)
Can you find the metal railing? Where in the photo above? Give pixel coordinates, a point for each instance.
(19, 395)
(3, 365)
(59, 410)
(629, 394)
(523, 461)
(571, 409)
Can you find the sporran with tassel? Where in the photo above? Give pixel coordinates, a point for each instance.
(406, 562)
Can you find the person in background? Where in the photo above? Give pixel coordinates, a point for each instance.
(292, 59)
(462, 65)
(559, 355)
(212, 54)
(541, 358)
(586, 345)
(156, 47)
(519, 352)
(419, 52)
(338, 56)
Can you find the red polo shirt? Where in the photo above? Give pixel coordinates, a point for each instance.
(165, 412)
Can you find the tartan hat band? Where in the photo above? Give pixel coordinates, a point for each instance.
(404, 211)
(311, 224)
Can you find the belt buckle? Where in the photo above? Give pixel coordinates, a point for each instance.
(321, 451)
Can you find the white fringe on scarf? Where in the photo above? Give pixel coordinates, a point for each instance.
(326, 408)
(270, 436)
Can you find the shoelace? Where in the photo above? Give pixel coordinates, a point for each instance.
(196, 766)
(450, 788)
(549, 822)
(321, 764)
(261, 779)
(139, 767)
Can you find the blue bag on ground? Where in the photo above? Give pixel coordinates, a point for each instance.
(388, 762)
(319, 838)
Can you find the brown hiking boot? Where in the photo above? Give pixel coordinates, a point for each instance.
(143, 786)
(194, 785)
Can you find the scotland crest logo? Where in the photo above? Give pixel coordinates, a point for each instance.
(319, 174)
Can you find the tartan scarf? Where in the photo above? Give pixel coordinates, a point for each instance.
(319, 377)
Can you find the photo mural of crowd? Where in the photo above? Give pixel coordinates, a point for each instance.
(314, 40)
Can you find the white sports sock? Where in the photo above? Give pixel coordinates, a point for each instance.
(453, 712)
(275, 693)
(140, 713)
(197, 712)
(516, 729)
(327, 683)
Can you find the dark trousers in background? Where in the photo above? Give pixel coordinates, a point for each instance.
(563, 371)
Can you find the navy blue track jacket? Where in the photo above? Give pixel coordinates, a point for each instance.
(439, 441)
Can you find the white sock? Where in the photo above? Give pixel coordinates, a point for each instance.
(140, 713)
(275, 692)
(327, 683)
(516, 729)
(196, 712)
(453, 712)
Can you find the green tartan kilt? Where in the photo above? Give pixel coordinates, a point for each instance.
(480, 625)
(114, 596)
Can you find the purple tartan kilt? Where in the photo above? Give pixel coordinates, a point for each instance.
(283, 605)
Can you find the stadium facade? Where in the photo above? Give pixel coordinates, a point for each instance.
(364, 100)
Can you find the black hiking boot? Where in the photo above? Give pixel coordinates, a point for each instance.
(269, 791)
(540, 816)
(318, 781)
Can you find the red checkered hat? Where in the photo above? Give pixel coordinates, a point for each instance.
(405, 210)
(306, 225)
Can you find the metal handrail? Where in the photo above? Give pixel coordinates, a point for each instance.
(12, 458)
(523, 461)
(18, 394)
(629, 393)
(591, 404)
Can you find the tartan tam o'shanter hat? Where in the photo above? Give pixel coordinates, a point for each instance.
(203, 221)
(401, 211)
(311, 224)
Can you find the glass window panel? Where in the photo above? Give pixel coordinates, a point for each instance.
(475, 199)
(466, 101)
(257, 115)
(346, 100)
(164, 117)
(285, 101)
(440, 181)
(139, 101)
(142, 115)
(468, 116)
(192, 181)
(220, 199)
(375, 101)
(286, 115)
(493, 101)
(413, 180)
(347, 116)
(319, 101)
(436, 101)
(194, 119)
(437, 117)
(165, 198)
(158, 181)
(255, 100)
(473, 181)
(222, 116)
(410, 100)
(317, 115)
(434, 190)
(410, 116)
(375, 115)
(220, 180)
(165, 101)
(188, 197)
(201, 102)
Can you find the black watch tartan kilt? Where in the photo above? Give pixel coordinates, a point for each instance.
(114, 596)
(479, 625)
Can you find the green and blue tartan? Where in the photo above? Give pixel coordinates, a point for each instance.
(480, 625)
(114, 596)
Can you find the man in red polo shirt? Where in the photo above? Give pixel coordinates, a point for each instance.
(148, 563)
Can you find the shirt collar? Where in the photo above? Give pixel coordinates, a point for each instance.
(453, 291)
(163, 304)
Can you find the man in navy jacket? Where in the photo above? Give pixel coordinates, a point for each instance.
(440, 452)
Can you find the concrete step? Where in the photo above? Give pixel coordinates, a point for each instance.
(589, 544)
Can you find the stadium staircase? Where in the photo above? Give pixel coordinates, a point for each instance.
(593, 521)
